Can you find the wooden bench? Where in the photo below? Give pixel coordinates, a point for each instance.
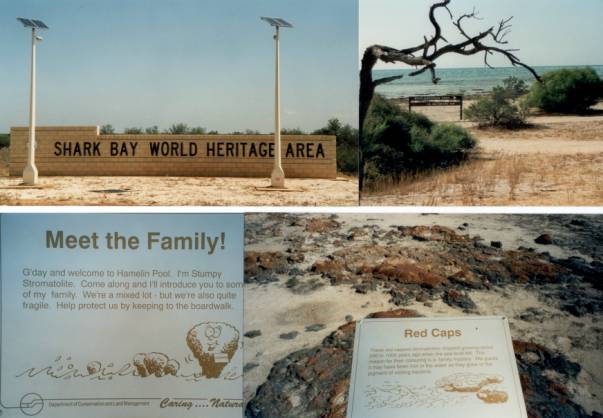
(419, 101)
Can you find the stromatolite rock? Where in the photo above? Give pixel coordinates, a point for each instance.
(460, 300)
(322, 224)
(403, 272)
(544, 239)
(261, 267)
(546, 397)
(312, 382)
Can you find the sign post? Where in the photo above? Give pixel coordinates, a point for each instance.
(30, 173)
(277, 178)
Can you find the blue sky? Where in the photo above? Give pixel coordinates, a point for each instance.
(202, 62)
(548, 32)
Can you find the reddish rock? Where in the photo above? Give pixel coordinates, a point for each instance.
(265, 260)
(330, 268)
(516, 266)
(467, 278)
(322, 225)
(407, 273)
(397, 313)
(433, 233)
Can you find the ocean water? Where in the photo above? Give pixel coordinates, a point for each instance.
(467, 81)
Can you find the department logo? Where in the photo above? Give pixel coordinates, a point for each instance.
(31, 404)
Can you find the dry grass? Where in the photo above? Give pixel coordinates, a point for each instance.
(557, 162)
(501, 179)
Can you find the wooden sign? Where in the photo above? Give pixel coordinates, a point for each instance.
(82, 151)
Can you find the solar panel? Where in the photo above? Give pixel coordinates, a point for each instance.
(278, 22)
(283, 22)
(40, 24)
(32, 23)
(26, 22)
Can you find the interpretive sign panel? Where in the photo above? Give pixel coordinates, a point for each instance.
(112, 315)
(435, 368)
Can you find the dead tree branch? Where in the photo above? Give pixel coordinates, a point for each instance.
(431, 49)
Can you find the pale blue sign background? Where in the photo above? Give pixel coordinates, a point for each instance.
(36, 339)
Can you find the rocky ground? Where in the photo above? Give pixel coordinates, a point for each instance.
(310, 276)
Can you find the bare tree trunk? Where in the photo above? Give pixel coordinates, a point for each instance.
(367, 91)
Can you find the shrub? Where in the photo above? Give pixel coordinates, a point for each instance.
(198, 130)
(567, 91)
(178, 129)
(449, 139)
(498, 109)
(4, 140)
(347, 145)
(514, 87)
(107, 130)
(398, 142)
(152, 130)
(133, 131)
(292, 131)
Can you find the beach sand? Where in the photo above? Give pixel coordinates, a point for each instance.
(556, 162)
(173, 191)
(281, 302)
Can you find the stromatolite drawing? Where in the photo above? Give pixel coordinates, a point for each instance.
(493, 395)
(450, 390)
(213, 344)
(212, 347)
(467, 382)
(157, 364)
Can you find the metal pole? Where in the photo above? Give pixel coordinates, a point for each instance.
(277, 178)
(30, 173)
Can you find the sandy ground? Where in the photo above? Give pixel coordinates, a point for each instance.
(176, 191)
(273, 309)
(557, 162)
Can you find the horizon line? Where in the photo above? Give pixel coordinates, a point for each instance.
(495, 67)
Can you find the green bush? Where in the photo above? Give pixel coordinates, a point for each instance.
(107, 130)
(4, 140)
(198, 130)
(347, 145)
(567, 91)
(397, 142)
(448, 139)
(177, 129)
(514, 87)
(292, 131)
(498, 109)
(133, 131)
